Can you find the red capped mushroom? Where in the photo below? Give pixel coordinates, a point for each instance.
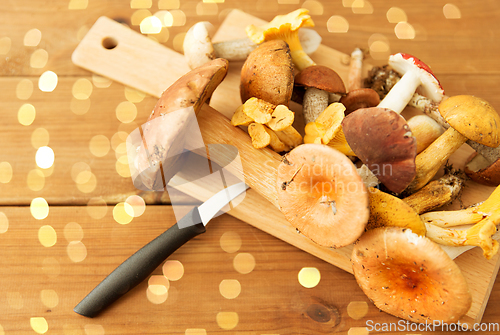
(416, 74)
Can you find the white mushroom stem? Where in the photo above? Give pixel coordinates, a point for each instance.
(401, 93)
(368, 177)
(315, 102)
(199, 49)
(355, 70)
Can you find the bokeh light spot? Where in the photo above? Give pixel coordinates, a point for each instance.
(126, 112)
(35, 180)
(451, 11)
(227, 320)
(78, 4)
(309, 277)
(32, 37)
(141, 4)
(5, 172)
(230, 288)
(337, 24)
(169, 4)
(39, 59)
(82, 89)
(138, 16)
(195, 331)
(5, 44)
(97, 208)
(404, 31)
(395, 15)
(173, 270)
(76, 251)
(4, 223)
(314, 7)
(49, 298)
(88, 186)
(24, 89)
(205, 8)
(244, 263)
(39, 208)
(230, 242)
(357, 309)
(99, 145)
(40, 138)
(101, 82)
(136, 206)
(120, 214)
(133, 95)
(26, 114)
(358, 331)
(79, 107)
(44, 157)
(73, 232)
(362, 7)
(151, 25)
(39, 325)
(47, 81)
(47, 236)
(93, 329)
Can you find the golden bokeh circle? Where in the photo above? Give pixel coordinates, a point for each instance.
(309, 277)
(230, 242)
(173, 270)
(39, 208)
(244, 263)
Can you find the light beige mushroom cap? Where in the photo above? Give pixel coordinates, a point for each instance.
(410, 276)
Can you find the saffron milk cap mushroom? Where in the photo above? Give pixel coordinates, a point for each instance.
(322, 196)
(469, 117)
(409, 276)
(383, 141)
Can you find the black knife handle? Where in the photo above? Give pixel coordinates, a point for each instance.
(140, 265)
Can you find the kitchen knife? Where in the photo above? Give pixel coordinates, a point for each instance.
(141, 264)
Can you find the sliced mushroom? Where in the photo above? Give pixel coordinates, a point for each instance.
(322, 196)
(409, 276)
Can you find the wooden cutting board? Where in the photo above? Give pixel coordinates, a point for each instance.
(114, 51)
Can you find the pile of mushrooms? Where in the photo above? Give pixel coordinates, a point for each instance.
(362, 173)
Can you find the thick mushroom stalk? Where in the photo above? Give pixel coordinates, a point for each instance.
(470, 118)
(355, 70)
(416, 74)
(285, 27)
(319, 81)
(470, 215)
(199, 48)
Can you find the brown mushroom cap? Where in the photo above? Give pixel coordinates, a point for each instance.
(383, 141)
(410, 276)
(322, 78)
(322, 196)
(267, 74)
(472, 117)
(481, 171)
(360, 98)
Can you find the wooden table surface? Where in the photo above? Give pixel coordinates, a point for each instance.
(63, 225)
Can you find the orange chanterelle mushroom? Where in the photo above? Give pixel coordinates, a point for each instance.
(322, 195)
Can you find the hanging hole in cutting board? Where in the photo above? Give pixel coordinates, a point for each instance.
(109, 43)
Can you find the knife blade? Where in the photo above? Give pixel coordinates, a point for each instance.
(142, 263)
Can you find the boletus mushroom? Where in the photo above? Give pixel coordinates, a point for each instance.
(409, 276)
(322, 196)
(267, 74)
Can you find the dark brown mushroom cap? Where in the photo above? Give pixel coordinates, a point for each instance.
(322, 195)
(322, 78)
(472, 117)
(267, 74)
(481, 171)
(360, 98)
(383, 141)
(410, 276)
